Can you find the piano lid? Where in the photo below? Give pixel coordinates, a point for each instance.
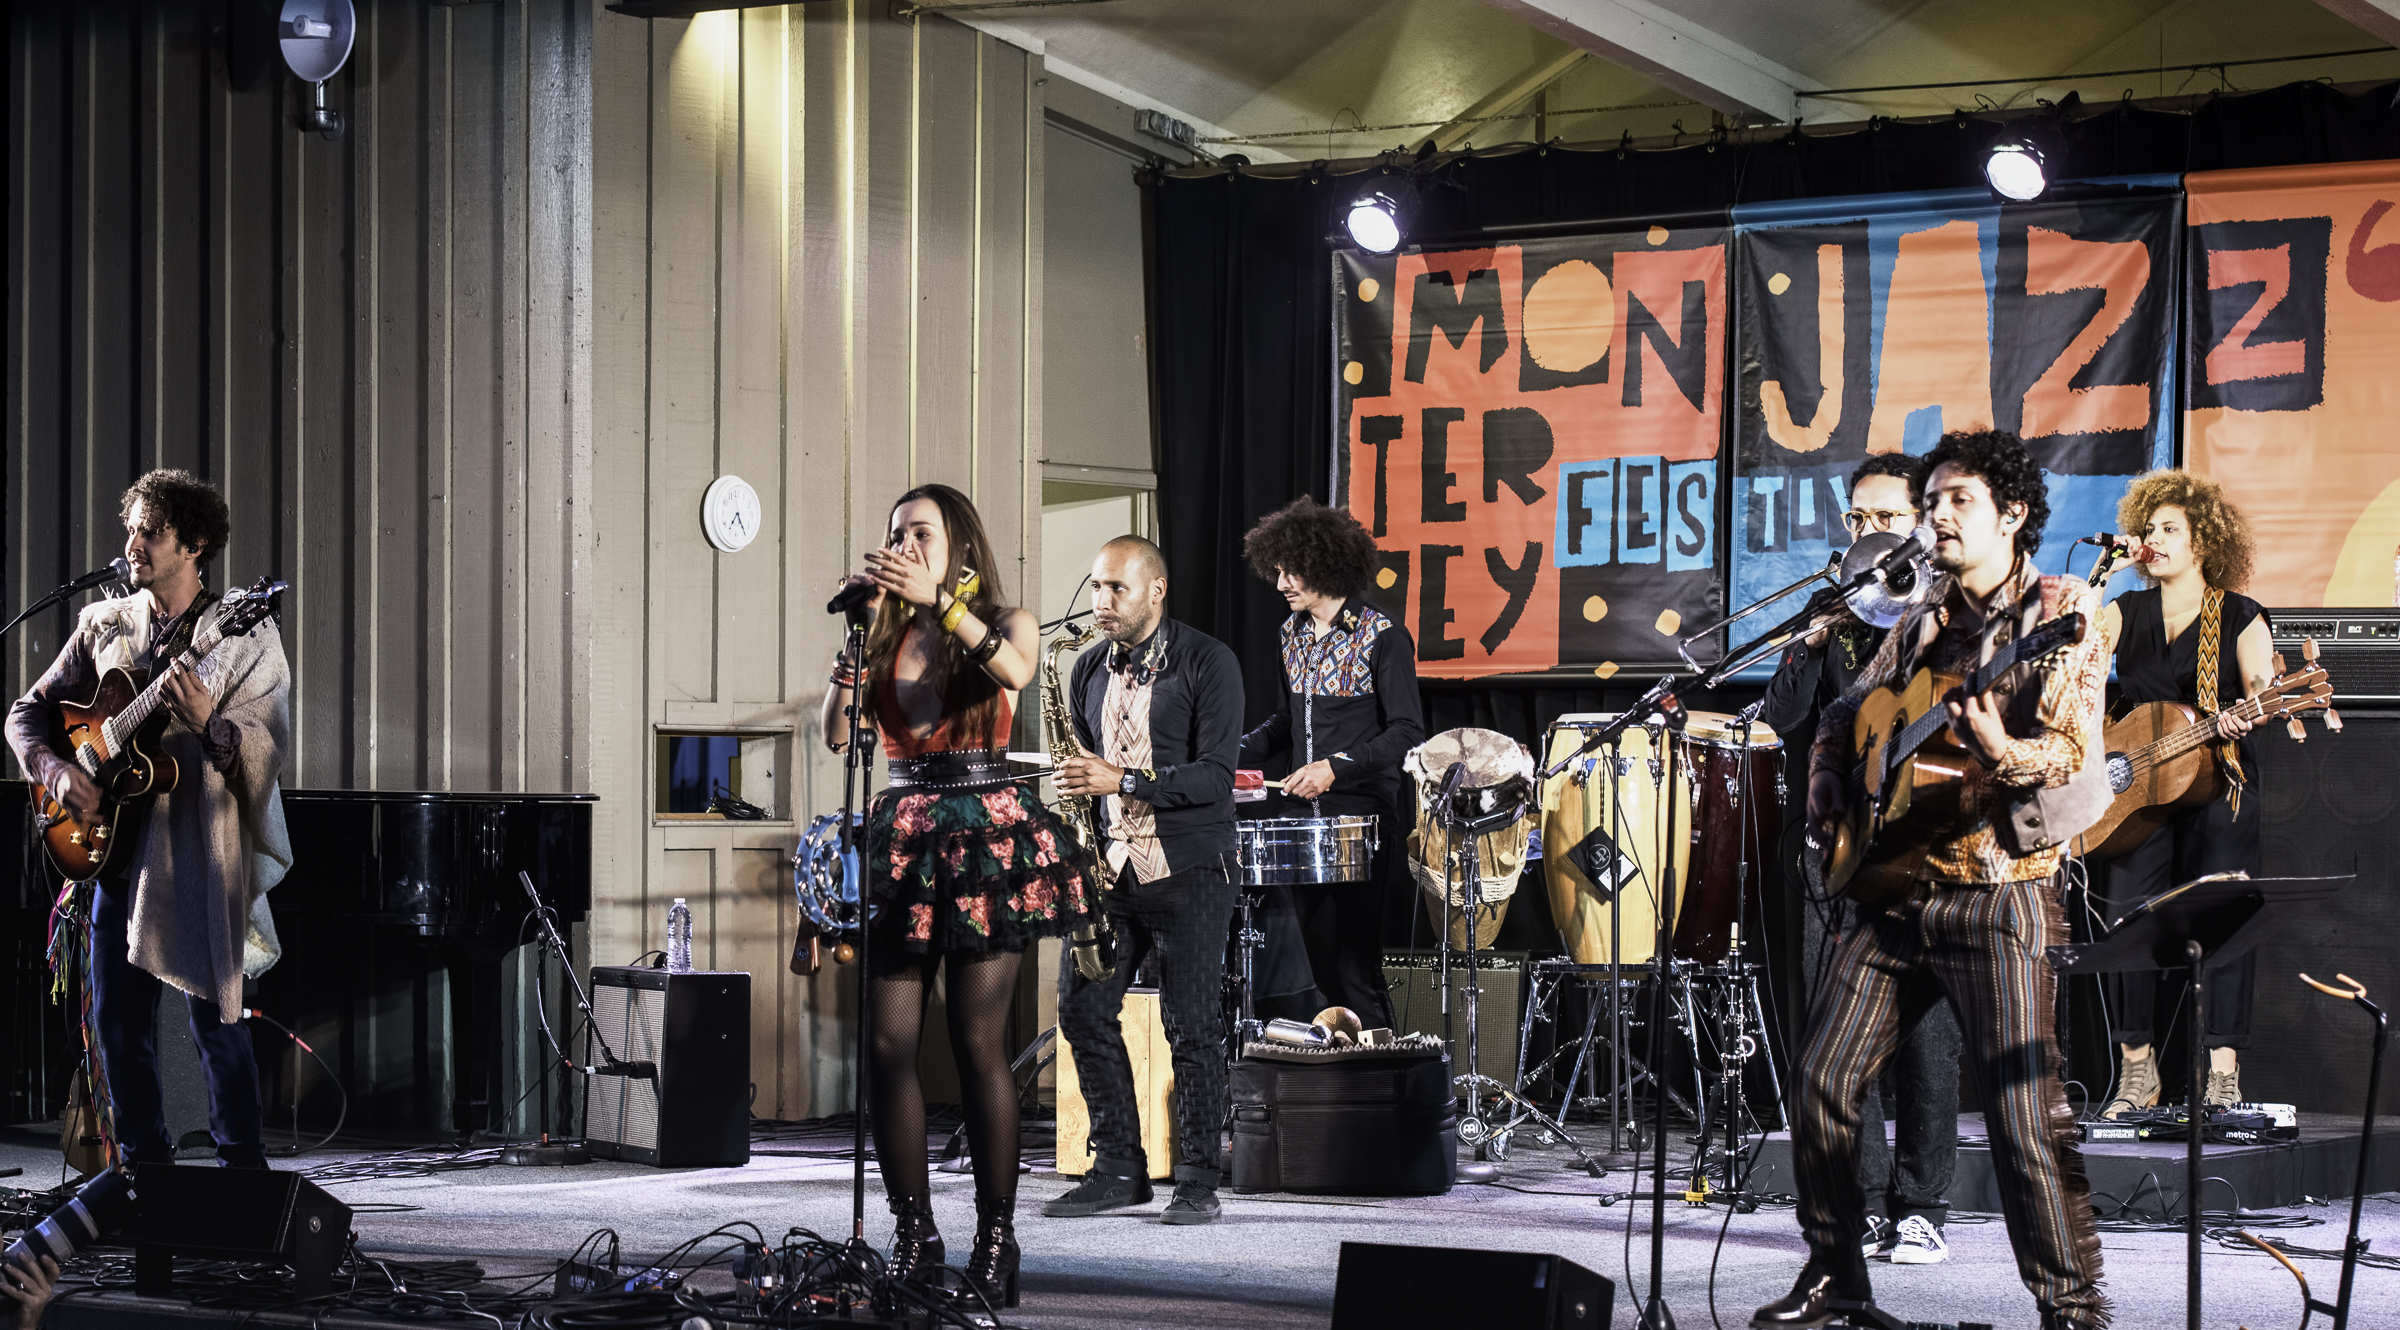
(442, 864)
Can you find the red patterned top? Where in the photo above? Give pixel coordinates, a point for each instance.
(945, 737)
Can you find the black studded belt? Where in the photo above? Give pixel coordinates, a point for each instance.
(960, 772)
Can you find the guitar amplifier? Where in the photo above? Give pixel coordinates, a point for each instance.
(689, 1037)
(2360, 649)
(1415, 978)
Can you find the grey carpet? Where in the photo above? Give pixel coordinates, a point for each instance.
(1270, 1261)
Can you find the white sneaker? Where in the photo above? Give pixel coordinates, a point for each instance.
(1878, 1239)
(1920, 1243)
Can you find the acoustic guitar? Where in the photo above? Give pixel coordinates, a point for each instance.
(113, 736)
(1908, 774)
(2161, 755)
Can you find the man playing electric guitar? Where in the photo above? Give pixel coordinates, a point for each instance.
(185, 904)
(1986, 903)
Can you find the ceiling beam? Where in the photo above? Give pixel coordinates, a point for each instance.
(1649, 39)
(1027, 40)
(1469, 124)
(2376, 18)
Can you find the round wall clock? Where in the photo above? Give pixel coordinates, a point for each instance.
(729, 513)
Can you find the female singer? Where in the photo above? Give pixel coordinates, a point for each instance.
(2189, 623)
(965, 866)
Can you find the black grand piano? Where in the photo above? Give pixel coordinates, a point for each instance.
(385, 889)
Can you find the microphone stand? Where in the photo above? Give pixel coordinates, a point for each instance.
(543, 1151)
(855, 790)
(65, 589)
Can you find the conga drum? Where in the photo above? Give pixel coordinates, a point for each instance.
(1737, 812)
(1604, 835)
(1499, 775)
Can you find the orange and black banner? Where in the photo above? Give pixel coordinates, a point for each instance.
(1531, 432)
(2292, 371)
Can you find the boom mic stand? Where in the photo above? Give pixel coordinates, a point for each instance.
(543, 1151)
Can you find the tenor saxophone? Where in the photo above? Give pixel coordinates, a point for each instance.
(1093, 947)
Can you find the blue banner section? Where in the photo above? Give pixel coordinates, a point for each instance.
(1875, 325)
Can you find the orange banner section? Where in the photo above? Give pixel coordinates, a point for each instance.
(2292, 371)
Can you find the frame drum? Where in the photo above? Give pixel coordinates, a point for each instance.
(1592, 818)
(1735, 808)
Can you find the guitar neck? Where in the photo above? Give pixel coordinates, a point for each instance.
(1932, 722)
(146, 704)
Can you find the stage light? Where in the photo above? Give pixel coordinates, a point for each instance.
(2015, 170)
(1374, 221)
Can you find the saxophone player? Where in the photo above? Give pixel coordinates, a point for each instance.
(1158, 713)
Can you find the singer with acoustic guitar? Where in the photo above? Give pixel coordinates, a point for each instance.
(1971, 926)
(187, 906)
(2188, 639)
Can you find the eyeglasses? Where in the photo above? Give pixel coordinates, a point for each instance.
(1882, 519)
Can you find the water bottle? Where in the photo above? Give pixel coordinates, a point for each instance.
(679, 937)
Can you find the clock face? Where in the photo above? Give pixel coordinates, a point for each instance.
(729, 513)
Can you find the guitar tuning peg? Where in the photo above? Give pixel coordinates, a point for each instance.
(2308, 650)
(2333, 721)
(2276, 662)
(2298, 731)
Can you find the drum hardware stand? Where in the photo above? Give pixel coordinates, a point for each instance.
(1659, 706)
(1465, 875)
(1247, 939)
(955, 1158)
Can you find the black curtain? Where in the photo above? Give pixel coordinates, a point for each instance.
(1241, 317)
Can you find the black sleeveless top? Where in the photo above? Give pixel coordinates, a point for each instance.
(2152, 669)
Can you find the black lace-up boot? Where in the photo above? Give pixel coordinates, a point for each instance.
(916, 1243)
(992, 1268)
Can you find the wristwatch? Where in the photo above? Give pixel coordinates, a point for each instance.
(1125, 785)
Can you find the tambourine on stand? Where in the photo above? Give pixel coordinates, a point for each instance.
(1476, 805)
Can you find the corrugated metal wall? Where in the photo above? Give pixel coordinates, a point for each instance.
(816, 257)
(465, 373)
(369, 344)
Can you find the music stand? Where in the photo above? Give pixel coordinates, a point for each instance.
(2196, 925)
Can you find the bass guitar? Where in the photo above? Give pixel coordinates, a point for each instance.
(113, 737)
(2161, 755)
(1908, 773)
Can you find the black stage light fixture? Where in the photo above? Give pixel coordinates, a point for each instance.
(2015, 169)
(687, 8)
(1377, 220)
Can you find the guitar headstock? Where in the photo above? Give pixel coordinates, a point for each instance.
(2306, 689)
(253, 605)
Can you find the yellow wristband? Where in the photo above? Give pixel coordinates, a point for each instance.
(955, 615)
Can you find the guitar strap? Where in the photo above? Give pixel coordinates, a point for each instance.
(180, 640)
(2212, 627)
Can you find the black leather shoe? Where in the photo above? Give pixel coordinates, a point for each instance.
(992, 1266)
(1810, 1303)
(1099, 1192)
(916, 1244)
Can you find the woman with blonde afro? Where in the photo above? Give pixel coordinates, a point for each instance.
(2189, 622)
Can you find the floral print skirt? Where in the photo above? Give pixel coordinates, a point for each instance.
(974, 871)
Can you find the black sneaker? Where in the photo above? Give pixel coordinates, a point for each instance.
(1879, 1238)
(1099, 1192)
(1193, 1204)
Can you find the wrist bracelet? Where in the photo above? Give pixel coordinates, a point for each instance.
(982, 652)
(955, 615)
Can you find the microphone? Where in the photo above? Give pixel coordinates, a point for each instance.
(117, 571)
(639, 1071)
(855, 593)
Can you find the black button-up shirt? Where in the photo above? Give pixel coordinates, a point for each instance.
(1195, 734)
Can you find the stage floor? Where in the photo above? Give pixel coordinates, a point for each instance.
(1270, 1261)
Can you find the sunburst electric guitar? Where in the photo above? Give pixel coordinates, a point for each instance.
(1908, 772)
(114, 738)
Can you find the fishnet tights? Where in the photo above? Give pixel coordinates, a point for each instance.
(980, 993)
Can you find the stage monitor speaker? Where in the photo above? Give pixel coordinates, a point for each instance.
(242, 1214)
(1415, 978)
(689, 1035)
(1382, 1287)
(2327, 807)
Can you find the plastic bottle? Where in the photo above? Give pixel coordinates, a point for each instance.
(679, 937)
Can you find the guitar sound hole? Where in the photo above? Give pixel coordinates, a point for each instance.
(2120, 773)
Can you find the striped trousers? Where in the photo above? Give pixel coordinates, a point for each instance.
(1982, 945)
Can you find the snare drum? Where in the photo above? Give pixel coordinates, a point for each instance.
(1300, 851)
(1604, 834)
(1735, 807)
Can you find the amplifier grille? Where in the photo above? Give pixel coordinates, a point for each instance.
(623, 1110)
(2360, 649)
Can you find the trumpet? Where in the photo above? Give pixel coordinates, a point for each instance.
(1877, 594)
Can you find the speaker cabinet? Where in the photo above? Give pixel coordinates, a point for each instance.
(690, 1033)
(242, 1214)
(1416, 982)
(1381, 1287)
(2329, 806)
